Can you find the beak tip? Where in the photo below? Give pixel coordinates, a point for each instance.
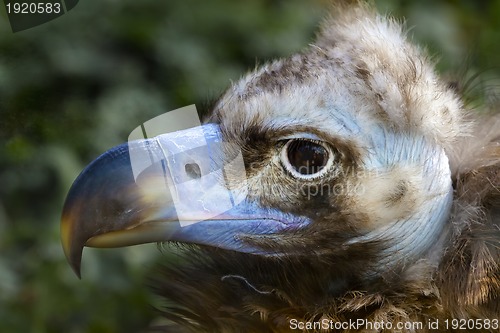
(72, 251)
(74, 259)
(76, 269)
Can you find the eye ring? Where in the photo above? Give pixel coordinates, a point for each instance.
(306, 158)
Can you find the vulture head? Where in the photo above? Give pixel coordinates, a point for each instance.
(347, 182)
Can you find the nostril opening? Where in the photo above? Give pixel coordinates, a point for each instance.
(193, 170)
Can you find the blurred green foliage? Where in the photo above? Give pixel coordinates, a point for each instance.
(76, 86)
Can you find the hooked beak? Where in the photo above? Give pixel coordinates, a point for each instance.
(185, 186)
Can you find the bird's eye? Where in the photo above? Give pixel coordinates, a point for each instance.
(305, 158)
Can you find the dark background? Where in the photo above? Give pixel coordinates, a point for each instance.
(76, 86)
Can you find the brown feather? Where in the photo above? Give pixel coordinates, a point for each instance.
(212, 290)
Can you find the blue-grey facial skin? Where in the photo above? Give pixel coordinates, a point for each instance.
(113, 203)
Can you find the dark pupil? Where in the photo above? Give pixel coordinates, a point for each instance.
(307, 157)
